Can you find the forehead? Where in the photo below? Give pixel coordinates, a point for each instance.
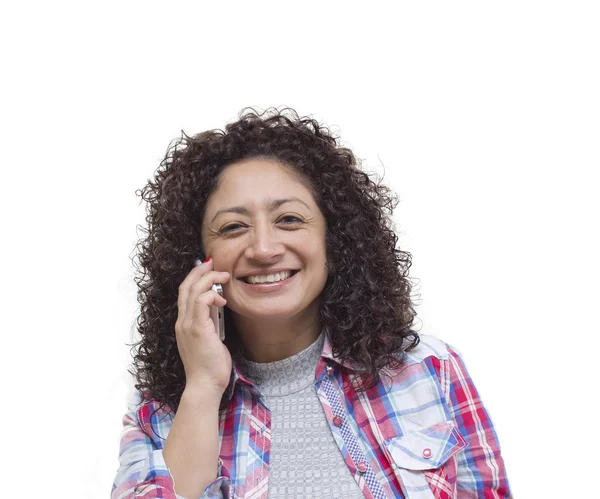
(255, 182)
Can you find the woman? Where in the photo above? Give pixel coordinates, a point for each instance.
(321, 388)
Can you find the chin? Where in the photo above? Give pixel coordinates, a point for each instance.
(265, 313)
(271, 314)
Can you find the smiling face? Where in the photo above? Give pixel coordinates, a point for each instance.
(263, 226)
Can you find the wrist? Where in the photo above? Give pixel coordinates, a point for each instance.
(202, 394)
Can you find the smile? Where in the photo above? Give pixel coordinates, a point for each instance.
(269, 283)
(268, 278)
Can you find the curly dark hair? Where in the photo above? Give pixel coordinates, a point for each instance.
(366, 308)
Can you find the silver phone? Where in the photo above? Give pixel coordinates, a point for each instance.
(217, 315)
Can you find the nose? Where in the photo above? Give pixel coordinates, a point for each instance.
(264, 246)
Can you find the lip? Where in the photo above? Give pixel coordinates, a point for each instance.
(268, 287)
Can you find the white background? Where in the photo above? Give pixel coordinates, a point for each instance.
(485, 117)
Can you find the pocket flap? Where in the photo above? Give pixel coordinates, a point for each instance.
(426, 448)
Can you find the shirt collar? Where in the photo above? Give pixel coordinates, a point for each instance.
(327, 353)
(327, 358)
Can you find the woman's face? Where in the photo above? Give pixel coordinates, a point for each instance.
(262, 224)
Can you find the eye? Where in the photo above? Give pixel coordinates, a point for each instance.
(230, 228)
(290, 220)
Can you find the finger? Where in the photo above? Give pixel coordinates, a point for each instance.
(202, 304)
(184, 288)
(202, 285)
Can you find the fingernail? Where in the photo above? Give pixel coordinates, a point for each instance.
(207, 260)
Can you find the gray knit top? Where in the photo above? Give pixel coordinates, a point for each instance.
(305, 461)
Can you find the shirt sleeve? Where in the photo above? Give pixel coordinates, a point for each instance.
(480, 467)
(143, 473)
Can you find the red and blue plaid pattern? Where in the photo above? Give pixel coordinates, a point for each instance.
(420, 433)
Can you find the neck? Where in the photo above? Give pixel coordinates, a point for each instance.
(272, 339)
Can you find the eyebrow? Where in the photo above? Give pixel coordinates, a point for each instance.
(273, 205)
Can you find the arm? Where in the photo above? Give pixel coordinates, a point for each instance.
(143, 472)
(192, 447)
(480, 467)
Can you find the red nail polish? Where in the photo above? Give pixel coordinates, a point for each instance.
(207, 260)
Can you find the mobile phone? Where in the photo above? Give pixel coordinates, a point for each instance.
(217, 314)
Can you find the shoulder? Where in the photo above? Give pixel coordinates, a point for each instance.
(431, 353)
(429, 346)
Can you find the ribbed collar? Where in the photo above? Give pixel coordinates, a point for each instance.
(326, 358)
(284, 376)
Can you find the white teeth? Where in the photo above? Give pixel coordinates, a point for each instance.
(280, 276)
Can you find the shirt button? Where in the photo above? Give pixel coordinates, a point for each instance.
(337, 421)
(427, 453)
(329, 369)
(362, 467)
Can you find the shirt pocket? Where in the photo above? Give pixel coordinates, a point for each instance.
(422, 450)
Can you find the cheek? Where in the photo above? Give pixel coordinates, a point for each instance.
(312, 241)
(316, 254)
(320, 250)
(223, 254)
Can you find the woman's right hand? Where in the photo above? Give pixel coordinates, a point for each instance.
(206, 360)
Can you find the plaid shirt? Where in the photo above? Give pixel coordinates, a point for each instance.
(421, 433)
